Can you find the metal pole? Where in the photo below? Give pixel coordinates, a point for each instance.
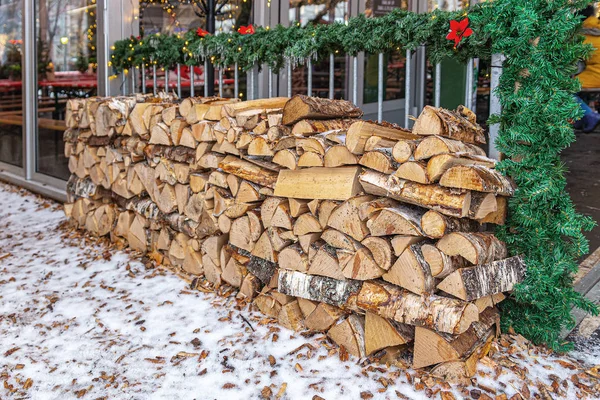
(133, 80)
(205, 78)
(355, 79)
(154, 80)
(209, 73)
(407, 94)
(251, 84)
(236, 84)
(469, 85)
(380, 88)
(178, 80)
(289, 81)
(270, 80)
(331, 75)
(495, 108)
(192, 88)
(143, 78)
(221, 81)
(438, 85)
(124, 83)
(166, 79)
(309, 78)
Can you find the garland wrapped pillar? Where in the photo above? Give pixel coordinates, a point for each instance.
(540, 41)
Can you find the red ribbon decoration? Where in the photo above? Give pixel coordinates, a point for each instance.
(201, 32)
(459, 30)
(246, 30)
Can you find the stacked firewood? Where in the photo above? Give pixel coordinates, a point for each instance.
(368, 232)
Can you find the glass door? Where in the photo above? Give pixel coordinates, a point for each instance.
(66, 69)
(11, 83)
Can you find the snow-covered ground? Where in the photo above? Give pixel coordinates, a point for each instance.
(79, 319)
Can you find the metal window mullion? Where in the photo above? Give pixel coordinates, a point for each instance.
(154, 80)
(309, 76)
(289, 80)
(29, 99)
(205, 78)
(407, 91)
(331, 76)
(178, 80)
(438, 85)
(143, 78)
(166, 79)
(220, 81)
(469, 85)
(236, 83)
(380, 61)
(192, 83)
(270, 81)
(355, 79)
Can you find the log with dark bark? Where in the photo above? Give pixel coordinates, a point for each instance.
(248, 171)
(479, 178)
(309, 127)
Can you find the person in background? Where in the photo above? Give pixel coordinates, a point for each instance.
(590, 76)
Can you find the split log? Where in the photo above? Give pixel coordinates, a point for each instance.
(441, 264)
(248, 193)
(259, 146)
(339, 293)
(483, 280)
(433, 347)
(262, 269)
(323, 317)
(379, 160)
(310, 159)
(324, 211)
(234, 273)
(297, 207)
(411, 271)
(350, 334)
(318, 183)
(403, 150)
(444, 200)
(268, 305)
(453, 124)
(268, 208)
(291, 316)
(249, 288)
(340, 240)
(361, 131)
(489, 301)
(414, 171)
(436, 225)
(381, 333)
(479, 178)
(303, 107)
(325, 261)
(402, 219)
(240, 234)
(177, 153)
(477, 247)
(381, 250)
(401, 242)
(293, 258)
(346, 219)
(287, 158)
(249, 171)
(339, 155)
(438, 313)
(494, 217)
(434, 145)
(359, 265)
(438, 165)
(233, 108)
(309, 127)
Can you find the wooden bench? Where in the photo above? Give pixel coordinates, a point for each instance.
(46, 123)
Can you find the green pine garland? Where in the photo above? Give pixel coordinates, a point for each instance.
(540, 41)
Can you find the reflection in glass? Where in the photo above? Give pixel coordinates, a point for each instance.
(394, 74)
(179, 17)
(66, 68)
(11, 95)
(305, 12)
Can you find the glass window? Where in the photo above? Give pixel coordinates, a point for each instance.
(320, 12)
(11, 95)
(66, 68)
(179, 17)
(394, 74)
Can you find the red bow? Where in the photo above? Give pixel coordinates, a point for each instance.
(246, 30)
(201, 32)
(459, 30)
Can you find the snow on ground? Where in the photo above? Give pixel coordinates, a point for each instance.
(79, 319)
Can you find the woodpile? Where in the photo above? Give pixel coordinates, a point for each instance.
(368, 232)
